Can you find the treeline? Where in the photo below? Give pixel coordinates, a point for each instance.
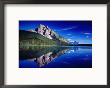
(36, 42)
(31, 38)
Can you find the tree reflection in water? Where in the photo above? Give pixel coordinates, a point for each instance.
(42, 55)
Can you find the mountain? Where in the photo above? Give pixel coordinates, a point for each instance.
(42, 35)
(48, 33)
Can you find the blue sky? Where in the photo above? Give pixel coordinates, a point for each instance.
(80, 31)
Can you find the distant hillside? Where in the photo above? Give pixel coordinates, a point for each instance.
(41, 35)
(32, 38)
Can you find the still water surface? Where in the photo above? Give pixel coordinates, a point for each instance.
(55, 57)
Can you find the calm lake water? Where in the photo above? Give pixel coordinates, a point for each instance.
(55, 57)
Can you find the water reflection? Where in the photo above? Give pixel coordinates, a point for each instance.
(47, 58)
(41, 55)
(34, 56)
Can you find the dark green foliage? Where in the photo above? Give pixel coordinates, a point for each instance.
(31, 38)
(37, 51)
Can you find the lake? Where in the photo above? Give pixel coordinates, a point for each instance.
(55, 57)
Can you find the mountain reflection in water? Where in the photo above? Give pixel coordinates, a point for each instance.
(55, 57)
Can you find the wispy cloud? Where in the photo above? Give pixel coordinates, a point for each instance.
(69, 34)
(71, 40)
(73, 27)
(87, 33)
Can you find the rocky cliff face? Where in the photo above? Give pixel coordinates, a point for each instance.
(41, 35)
(49, 33)
(45, 31)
